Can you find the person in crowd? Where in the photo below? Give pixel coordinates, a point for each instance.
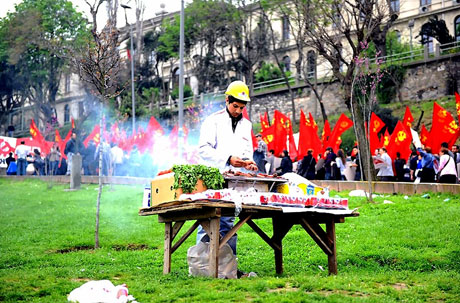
(10, 159)
(447, 171)
(106, 156)
(386, 172)
(22, 152)
(225, 142)
(39, 163)
(54, 157)
(355, 158)
(260, 154)
(426, 172)
(308, 166)
(271, 161)
(399, 167)
(89, 162)
(320, 170)
(341, 162)
(456, 152)
(329, 157)
(413, 161)
(286, 163)
(73, 147)
(446, 146)
(117, 159)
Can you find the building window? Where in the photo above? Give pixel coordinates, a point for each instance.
(457, 28)
(395, 5)
(425, 2)
(311, 64)
(176, 78)
(66, 113)
(285, 22)
(67, 84)
(286, 64)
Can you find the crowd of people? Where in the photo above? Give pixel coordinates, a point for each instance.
(422, 166)
(115, 161)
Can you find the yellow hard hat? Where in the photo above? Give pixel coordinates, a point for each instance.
(238, 90)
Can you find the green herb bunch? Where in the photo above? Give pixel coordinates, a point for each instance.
(187, 175)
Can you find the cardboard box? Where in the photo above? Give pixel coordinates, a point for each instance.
(162, 189)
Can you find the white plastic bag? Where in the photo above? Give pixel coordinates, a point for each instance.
(102, 291)
(198, 261)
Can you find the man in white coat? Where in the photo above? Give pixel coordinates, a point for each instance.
(226, 143)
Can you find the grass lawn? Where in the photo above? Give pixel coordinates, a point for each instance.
(407, 251)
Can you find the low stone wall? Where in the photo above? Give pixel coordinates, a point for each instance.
(403, 188)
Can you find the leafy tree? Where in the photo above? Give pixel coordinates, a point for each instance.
(268, 71)
(33, 39)
(437, 29)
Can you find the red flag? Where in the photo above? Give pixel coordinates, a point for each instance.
(376, 126)
(35, 132)
(268, 135)
(385, 139)
(174, 136)
(154, 127)
(73, 124)
(313, 123)
(286, 123)
(400, 141)
(115, 133)
(408, 119)
(308, 137)
(424, 135)
(340, 127)
(325, 135)
(264, 124)
(254, 139)
(57, 137)
(443, 128)
(279, 134)
(94, 135)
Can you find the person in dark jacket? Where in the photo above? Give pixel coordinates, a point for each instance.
(286, 163)
(399, 167)
(73, 146)
(329, 157)
(307, 167)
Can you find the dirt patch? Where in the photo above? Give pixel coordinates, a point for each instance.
(71, 249)
(81, 280)
(346, 293)
(399, 286)
(283, 289)
(130, 246)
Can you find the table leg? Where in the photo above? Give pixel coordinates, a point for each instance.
(167, 248)
(214, 238)
(280, 229)
(332, 258)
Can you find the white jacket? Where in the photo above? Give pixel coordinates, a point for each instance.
(218, 141)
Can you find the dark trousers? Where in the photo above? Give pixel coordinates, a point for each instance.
(22, 165)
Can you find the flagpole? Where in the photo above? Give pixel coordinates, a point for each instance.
(181, 80)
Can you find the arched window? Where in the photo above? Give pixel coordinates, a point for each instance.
(287, 64)
(66, 113)
(311, 64)
(176, 78)
(457, 28)
(395, 5)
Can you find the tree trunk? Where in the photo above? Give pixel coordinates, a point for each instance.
(99, 192)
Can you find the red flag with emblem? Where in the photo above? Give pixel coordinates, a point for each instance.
(35, 132)
(400, 141)
(115, 133)
(268, 135)
(286, 122)
(443, 128)
(376, 126)
(385, 140)
(340, 127)
(264, 124)
(308, 137)
(424, 135)
(279, 133)
(313, 123)
(94, 135)
(408, 118)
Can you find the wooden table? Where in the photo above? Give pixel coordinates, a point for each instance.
(207, 213)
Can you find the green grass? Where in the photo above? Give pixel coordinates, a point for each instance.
(407, 251)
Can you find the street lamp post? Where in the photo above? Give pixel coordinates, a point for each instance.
(181, 78)
(133, 98)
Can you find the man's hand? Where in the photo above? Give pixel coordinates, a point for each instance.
(251, 165)
(237, 162)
